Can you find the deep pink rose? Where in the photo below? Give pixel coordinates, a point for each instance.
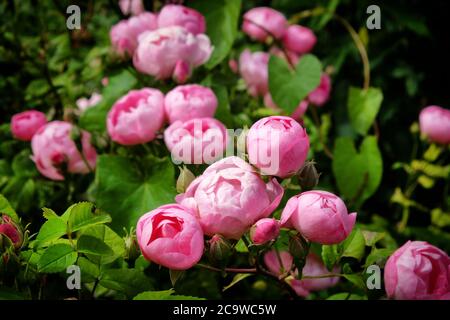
(264, 230)
(418, 271)
(131, 7)
(159, 52)
(319, 216)
(321, 94)
(53, 149)
(277, 145)
(190, 101)
(262, 22)
(229, 197)
(299, 39)
(178, 15)
(136, 117)
(11, 230)
(25, 124)
(196, 141)
(253, 68)
(170, 236)
(435, 124)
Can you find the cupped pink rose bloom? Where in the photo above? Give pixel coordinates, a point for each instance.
(189, 102)
(299, 39)
(277, 145)
(196, 141)
(264, 230)
(25, 124)
(124, 35)
(178, 15)
(136, 117)
(253, 68)
(313, 267)
(418, 271)
(262, 22)
(85, 103)
(319, 216)
(434, 122)
(170, 236)
(131, 7)
(321, 94)
(229, 197)
(160, 51)
(54, 149)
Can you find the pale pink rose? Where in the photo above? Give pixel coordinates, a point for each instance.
(299, 39)
(85, 103)
(131, 7)
(25, 124)
(190, 101)
(262, 22)
(298, 112)
(253, 68)
(435, 124)
(264, 230)
(319, 216)
(136, 117)
(277, 145)
(229, 197)
(159, 51)
(418, 271)
(178, 15)
(54, 149)
(124, 35)
(170, 236)
(196, 141)
(234, 65)
(321, 94)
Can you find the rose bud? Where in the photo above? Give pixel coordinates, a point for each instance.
(184, 179)
(434, 123)
(321, 94)
(196, 141)
(308, 177)
(319, 216)
(299, 39)
(136, 117)
(298, 246)
(124, 35)
(53, 150)
(229, 197)
(25, 124)
(131, 246)
(159, 52)
(277, 145)
(11, 230)
(264, 230)
(131, 7)
(170, 236)
(253, 68)
(85, 103)
(263, 22)
(178, 15)
(219, 250)
(418, 271)
(190, 101)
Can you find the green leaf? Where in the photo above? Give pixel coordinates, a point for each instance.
(92, 245)
(378, 256)
(6, 208)
(51, 230)
(109, 238)
(440, 218)
(355, 245)
(175, 275)
(89, 270)
(57, 258)
(372, 237)
(363, 107)
(330, 256)
(163, 295)
(223, 112)
(222, 17)
(83, 215)
(237, 278)
(356, 279)
(288, 87)
(128, 281)
(128, 189)
(346, 296)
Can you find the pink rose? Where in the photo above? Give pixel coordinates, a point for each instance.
(85, 103)
(253, 68)
(178, 15)
(196, 141)
(321, 94)
(277, 145)
(229, 197)
(435, 124)
(262, 22)
(124, 35)
(264, 230)
(54, 149)
(11, 230)
(133, 7)
(320, 216)
(190, 101)
(170, 236)
(418, 270)
(136, 117)
(299, 39)
(25, 124)
(159, 51)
